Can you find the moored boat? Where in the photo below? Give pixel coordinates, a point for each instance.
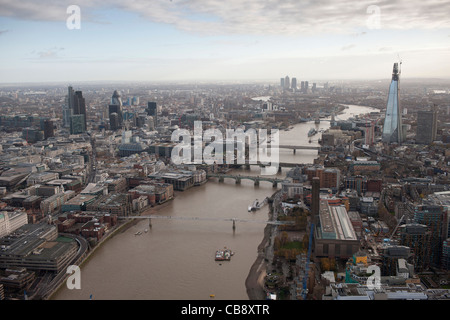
(224, 255)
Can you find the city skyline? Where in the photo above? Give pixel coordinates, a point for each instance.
(207, 40)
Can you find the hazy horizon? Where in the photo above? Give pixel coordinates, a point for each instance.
(218, 41)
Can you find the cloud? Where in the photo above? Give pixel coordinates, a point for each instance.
(348, 47)
(288, 17)
(51, 53)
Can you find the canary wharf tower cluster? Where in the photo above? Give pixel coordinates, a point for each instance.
(393, 128)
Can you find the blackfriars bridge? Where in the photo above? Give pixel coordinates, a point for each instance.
(292, 147)
(238, 178)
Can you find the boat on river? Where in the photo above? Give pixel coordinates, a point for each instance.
(258, 205)
(312, 132)
(224, 255)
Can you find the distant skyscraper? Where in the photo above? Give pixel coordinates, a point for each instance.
(393, 128)
(75, 106)
(287, 83)
(282, 82)
(114, 121)
(70, 94)
(426, 127)
(294, 84)
(68, 107)
(116, 98)
(79, 106)
(152, 110)
(116, 107)
(302, 86)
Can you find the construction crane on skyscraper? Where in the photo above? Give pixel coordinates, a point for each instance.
(396, 227)
(399, 69)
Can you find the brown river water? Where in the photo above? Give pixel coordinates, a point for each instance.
(174, 260)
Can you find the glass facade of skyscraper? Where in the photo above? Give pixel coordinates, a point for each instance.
(392, 128)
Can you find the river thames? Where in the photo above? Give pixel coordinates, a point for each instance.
(174, 260)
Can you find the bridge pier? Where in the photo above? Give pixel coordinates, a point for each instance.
(238, 180)
(294, 150)
(149, 223)
(256, 182)
(274, 184)
(247, 167)
(279, 169)
(221, 179)
(234, 224)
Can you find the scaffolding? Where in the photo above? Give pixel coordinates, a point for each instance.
(433, 217)
(418, 238)
(390, 256)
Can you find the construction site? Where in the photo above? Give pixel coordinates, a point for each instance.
(344, 253)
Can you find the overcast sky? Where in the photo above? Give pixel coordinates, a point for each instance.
(165, 40)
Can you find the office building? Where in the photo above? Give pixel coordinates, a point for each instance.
(294, 84)
(10, 221)
(37, 247)
(49, 130)
(116, 107)
(79, 106)
(287, 82)
(115, 111)
(77, 124)
(68, 107)
(135, 101)
(446, 254)
(113, 203)
(329, 177)
(116, 98)
(426, 127)
(417, 237)
(32, 135)
(152, 110)
(369, 133)
(435, 218)
(390, 257)
(393, 127)
(74, 114)
(114, 121)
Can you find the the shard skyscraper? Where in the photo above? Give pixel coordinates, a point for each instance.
(392, 129)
